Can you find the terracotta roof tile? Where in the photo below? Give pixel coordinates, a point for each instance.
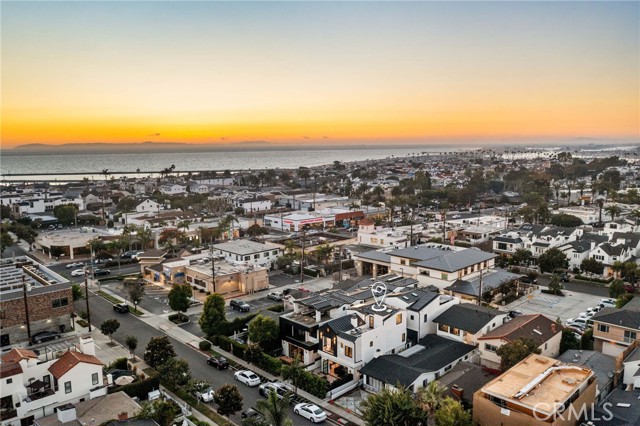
(69, 360)
(18, 354)
(8, 369)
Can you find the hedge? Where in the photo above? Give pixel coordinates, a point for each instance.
(595, 280)
(276, 308)
(140, 389)
(232, 346)
(238, 324)
(316, 386)
(270, 364)
(119, 364)
(204, 345)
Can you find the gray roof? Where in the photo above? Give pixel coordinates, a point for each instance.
(612, 250)
(469, 377)
(418, 298)
(452, 261)
(626, 415)
(375, 255)
(467, 317)
(329, 300)
(489, 282)
(630, 239)
(601, 364)
(597, 238)
(508, 239)
(432, 353)
(620, 317)
(581, 246)
(245, 247)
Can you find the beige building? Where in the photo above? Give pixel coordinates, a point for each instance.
(614, 330)
(536, 391)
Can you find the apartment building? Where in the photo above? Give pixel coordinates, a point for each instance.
(248, 252)
(614, 330)
(538, 391)
(28, 285)
(34, 385)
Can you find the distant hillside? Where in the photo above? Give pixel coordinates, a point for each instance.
(40, 148)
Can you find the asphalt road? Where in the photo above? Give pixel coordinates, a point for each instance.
(102, 310)
(578, 286)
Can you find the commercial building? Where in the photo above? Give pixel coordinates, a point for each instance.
(538, 391)
(33, 298)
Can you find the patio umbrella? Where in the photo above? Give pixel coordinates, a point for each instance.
(124, 380)
(37, 384)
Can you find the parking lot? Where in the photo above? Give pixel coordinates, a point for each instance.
(155, 298)
(279, 279)
(564, 307)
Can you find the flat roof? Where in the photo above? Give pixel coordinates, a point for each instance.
(245, 247)
(538, 381)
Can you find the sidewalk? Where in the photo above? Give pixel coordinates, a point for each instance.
(170, 329)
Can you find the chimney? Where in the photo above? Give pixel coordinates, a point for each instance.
(354, 320)
(124, 416)
(553, 327)
(318, 316)
(87, 346)
(457, 391)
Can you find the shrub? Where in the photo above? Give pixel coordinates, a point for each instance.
(341, 381)
(204, 345)
(139, 389)
(276, 308)
(316, 386)
(232, 346)
(119, 364)
(238, 324)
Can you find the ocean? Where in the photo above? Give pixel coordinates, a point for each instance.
(75, 166)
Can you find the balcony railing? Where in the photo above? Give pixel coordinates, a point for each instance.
(39, 395)
(8, 414)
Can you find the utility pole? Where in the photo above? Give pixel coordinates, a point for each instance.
(340, 260)
(411, 231)
(26, 305)
(304, 237)
(480, 294)
(86, 298)
(213, 268)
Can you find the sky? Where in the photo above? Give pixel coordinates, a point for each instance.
(318, 72)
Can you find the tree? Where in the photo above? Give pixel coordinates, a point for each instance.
(255, 421)
(109, 327)
(555, 286)
(263, 329)
(323, 252)
(451, 413)
(616, 289)
(5, 239)
(293, 372)
(175, 371)
(552, 259)
(613, 210)
(213, 314)
(569, 341)
(158, 351)
(592, 265)
(76, 292)
(521, 257)
(127, 204)
(229, 399)
(136, 293)
(132, 345)
(66, 213)
(429, 397)
(162, 411)
(275, 409)
(395, 407)
(513, 352)
(180, 299)
(256, 230)
(566, 220)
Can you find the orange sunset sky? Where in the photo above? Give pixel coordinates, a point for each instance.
(290, 72)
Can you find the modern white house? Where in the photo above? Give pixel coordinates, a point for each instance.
(32, 385)
(262, 254)
(148, 206)
(173, 189)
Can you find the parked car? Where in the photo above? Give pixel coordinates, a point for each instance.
(205, 395)
(123, 308)
(279, 388)
(595, 309)
(44, 336)
(528, 280)
(240, 305)
(311, 412)
(608, 303)
(77, 273)
(514, 314)
(587, 314)
(74, 265)
(578, 322)
(575, 330)
(249, 413)
(247, 377)
(275, 295)
(101, 272)
(219, 362)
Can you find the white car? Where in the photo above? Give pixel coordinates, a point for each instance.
(77, 273)
(608, 303)
(586, 315)
(578, 322)
(311, 412)
(74, 265)
(205, 395)
(595, 309)
(274, 295)
(247, 377)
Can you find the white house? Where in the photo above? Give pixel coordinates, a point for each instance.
(173, 189)
(250, 252)
(256, 204)
(609, 253)
(148, 206)
(544, 331)
(32, 387)
(466, 322)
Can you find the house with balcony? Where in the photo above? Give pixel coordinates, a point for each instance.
(432, 264)
(614, 330)
(33, 385)
(538, 391)
(466, 322)
(366, 332)
(506, 244)
(609, 253)
(299, 329)
(495, 285)
(428, 360)
(545, 332)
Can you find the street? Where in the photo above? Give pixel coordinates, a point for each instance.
(102, 310)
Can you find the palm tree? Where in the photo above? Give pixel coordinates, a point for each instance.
(569, 188)
(556, 187)
(145, 236)
(117, 246)
(430, 397)
(600, 204)
(323, 252)
(290, 246)
(613, 210)
(581, 185)
(275, 410)
(105, 172)
(635, 214)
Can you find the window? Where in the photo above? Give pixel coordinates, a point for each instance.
(411, 317)
(67, 387)
(94, 379)
(399, 319)
(545, 346)
(404, 336)
(275, 252)
(348, 351)
(265, 254)
(603, 328)
(370, 321)
(444, 276)
(256, 256)
(247, 257)
(629, 336)
(59, 303)
(9, 380)
(403, 262)
(425, 318)
(490, 348)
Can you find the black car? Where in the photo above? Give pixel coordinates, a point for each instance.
(514, 314)
(528, 280)
(218, 362)
(100, 272)
(250, 412)
(123, 308)
(44, 336)
(240, 305)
